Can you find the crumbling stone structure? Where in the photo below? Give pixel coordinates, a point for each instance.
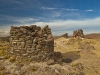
(78, 33)
(65, 35)
(32, 41)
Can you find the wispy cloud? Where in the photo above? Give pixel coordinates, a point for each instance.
(12, 1)
(67, 9)
(18, 19)
(72, 9)
(90, 10)
(25, 20)
(48, 8)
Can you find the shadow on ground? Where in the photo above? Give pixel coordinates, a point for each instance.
(74, 55)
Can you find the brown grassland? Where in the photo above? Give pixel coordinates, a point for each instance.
(80, 50)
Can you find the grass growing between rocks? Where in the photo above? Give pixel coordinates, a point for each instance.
(12, 59)
(33, 69)
(3, 52)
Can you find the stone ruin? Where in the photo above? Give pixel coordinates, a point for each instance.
(32, 42)
(78, 33)
(65, 35)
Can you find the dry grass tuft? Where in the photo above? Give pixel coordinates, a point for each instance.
(33, 69)
(12, 59)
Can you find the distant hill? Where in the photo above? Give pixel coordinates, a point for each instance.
(93, 36)
(5, 38)
(89, 36)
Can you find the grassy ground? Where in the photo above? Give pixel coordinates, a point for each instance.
(69, 49)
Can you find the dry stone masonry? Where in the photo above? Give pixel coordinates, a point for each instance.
(65, 35)
(32, 42)
(78, 33)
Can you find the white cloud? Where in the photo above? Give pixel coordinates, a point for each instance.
(63, 26)
(80, 23)
(90, 10)
(24, 20)
(59, 27)
(3, 33)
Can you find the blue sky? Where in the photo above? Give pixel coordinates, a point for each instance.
(62, 16)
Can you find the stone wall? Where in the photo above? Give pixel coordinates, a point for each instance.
(78, 33)
(32, 41)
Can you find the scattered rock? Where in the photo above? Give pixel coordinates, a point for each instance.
(50, 62)
(1, 57)
(66, 60)
(57, 72)
(86, 46)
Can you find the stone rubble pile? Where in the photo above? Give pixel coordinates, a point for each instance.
(65, 35)
(32, 41)
(78, 33)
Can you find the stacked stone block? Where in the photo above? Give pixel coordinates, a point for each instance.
(32, 41)
(78, 33)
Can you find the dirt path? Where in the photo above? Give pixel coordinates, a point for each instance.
(60, 44)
